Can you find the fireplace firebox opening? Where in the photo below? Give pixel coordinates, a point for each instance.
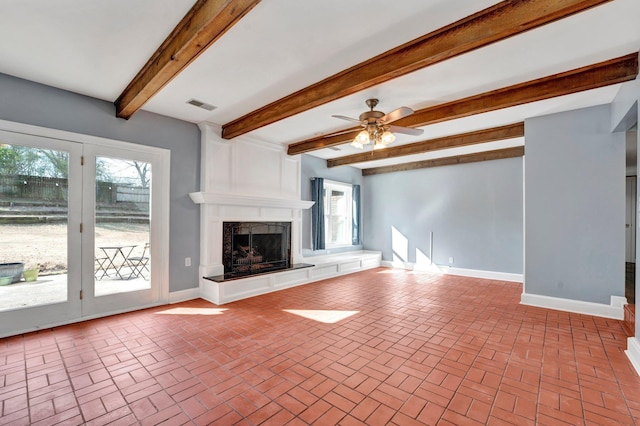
(250, 248)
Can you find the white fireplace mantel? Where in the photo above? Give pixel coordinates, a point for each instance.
(247, 201)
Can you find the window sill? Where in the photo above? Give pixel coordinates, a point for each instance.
(337, 246)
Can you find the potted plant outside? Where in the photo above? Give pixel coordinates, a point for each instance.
(31, 274)
(13, 269)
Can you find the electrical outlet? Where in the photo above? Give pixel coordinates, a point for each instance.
(451, 260)
(187, 261)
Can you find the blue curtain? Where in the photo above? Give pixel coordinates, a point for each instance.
(355, 215)
(317, 213)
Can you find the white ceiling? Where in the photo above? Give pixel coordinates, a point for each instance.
(96, 47)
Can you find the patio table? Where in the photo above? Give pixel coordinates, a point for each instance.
(112, 255)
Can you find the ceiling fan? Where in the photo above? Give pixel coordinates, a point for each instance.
(376, 127)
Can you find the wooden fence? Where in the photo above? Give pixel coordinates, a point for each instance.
(33, 188)
(38, 188)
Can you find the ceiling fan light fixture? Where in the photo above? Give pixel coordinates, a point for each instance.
(363, 137)
(376, 128)
(388, 137)
(356, 144)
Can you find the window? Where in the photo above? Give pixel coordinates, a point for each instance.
(337, 214)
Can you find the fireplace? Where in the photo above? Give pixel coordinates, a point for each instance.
(259, 184)
(250, 248)
(250, 181)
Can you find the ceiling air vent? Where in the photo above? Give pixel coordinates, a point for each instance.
(201, 104)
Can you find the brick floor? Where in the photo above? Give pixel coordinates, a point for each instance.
(377, 347)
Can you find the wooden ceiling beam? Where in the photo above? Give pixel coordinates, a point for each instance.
(205, 23)
(498, 22)
(498, 154)
(510, 131)
(613, 71)
(593, 76)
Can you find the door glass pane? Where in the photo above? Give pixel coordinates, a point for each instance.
(33, 226)
(337, 221)
(122, 206)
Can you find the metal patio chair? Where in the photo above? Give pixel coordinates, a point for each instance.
(100, 268)
(140, 263)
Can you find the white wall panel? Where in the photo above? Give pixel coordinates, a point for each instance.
(247, 167)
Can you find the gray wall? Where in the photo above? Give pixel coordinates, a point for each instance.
(575, 200)
(317, 167)
(27, 102)
(474, 211)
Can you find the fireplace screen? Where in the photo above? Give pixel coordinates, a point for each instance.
(255, 247)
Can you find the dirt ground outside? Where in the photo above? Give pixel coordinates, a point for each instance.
(46, 244)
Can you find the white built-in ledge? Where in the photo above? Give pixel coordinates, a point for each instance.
(247, 201)
(324, 267)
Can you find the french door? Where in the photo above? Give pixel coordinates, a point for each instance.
(40, 197)
(120, 212)
(90, 216)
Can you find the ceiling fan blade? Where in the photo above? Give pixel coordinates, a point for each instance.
(396, 114)
(342, 117)
(406, 130)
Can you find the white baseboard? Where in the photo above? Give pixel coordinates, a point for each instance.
(615, 310)
(633, 353)
(474, 273)
(184, 295)
(490, 275)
